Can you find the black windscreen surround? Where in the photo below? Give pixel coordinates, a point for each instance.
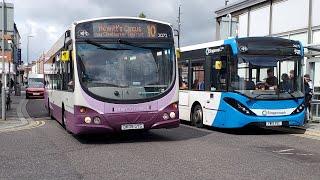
(124, 29)
(270, 46)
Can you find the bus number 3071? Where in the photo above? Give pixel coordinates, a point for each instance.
(162, 35)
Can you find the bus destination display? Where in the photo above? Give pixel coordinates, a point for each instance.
(128, 30)
(106, 29)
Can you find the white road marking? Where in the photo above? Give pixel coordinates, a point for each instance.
(286, 153)
(284, 150)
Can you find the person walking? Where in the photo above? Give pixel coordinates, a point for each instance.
(308, 91)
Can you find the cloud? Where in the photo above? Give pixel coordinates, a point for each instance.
(48, 19)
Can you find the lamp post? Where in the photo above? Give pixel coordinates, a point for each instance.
(3, 96)
(28, 37)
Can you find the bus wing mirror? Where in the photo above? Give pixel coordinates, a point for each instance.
(71, 85)
(218, 65)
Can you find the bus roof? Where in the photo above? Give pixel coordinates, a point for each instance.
(202, 46)
(122, 17)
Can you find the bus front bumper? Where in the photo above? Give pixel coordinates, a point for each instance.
(104, 129)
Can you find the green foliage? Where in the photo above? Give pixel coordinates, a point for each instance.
(142, 15)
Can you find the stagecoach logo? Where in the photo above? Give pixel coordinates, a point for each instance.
(212, 51)
(273, 113)
(243, 48)
(83, 33)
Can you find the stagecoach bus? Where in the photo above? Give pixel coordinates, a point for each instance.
(114, 74)
(242, 81)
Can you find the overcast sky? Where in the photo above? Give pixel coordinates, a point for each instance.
(46, 20)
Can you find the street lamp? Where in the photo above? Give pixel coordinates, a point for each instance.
(3, 97)
(28, 37)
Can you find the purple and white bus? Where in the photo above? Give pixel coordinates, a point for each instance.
(114, 74)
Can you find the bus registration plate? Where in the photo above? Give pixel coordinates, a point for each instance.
(132, 126)
(279, 123)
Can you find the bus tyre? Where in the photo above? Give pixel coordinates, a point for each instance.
(197, 116)
(49, 111)
(64, 120)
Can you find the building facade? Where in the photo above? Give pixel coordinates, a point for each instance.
(12, 43)
(292, 19)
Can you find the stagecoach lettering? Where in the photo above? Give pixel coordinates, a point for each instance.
(130, 109)
(212, 51)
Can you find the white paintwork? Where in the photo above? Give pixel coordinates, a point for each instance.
(209, 105)
(201, 46)
(122, 17)
(273, 112)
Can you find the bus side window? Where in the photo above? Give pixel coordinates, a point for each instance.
(183, 76)
(67, 73)
(219, 73)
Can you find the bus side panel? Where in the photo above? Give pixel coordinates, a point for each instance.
(184, 107)
(68, 101)
(57, 105)
(212, 109)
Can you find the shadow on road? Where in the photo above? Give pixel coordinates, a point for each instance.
(254, 130)
(160, 135)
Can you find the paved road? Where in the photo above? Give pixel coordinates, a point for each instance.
(48, 152)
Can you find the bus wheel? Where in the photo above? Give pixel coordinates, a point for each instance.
(64, 120)
(50, 112)
(197, 116)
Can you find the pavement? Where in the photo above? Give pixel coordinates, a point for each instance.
(16, 116)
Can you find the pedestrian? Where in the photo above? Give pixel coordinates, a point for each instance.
(0, 87)
(11, 85)
(308, 91)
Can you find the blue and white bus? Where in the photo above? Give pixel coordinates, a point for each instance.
(242, 81)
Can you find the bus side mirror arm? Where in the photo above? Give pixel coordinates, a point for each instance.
(71, 85)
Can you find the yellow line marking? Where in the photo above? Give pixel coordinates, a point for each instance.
(31, 125)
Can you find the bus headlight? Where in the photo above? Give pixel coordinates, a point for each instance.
(87, 120)
(298, 109)
(96, 120)
(83, 110)
(165, 116)
(172, 115)
(239, 106)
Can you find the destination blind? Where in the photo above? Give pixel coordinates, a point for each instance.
(133, 29)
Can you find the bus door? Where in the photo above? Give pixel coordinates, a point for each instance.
(216, 81)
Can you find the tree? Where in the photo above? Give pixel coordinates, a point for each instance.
(142, 15)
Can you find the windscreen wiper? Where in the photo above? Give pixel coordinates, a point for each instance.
(132, 44)
(290, 93)
(255, 97)
(102, 46)
(103, 84)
